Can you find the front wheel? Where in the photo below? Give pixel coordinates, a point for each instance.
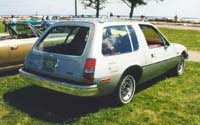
(125, 90)
(179, 69)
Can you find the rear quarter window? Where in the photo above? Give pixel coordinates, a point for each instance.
(116, 40)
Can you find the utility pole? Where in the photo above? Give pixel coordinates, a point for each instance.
(75, 8)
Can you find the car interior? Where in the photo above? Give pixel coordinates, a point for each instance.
(115, 43)
(72, 44)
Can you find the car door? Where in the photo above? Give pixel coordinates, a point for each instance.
(160, 54)
(19, 48)
(120, 50)
(4, 54)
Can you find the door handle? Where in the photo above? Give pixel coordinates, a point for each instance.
(14, 47)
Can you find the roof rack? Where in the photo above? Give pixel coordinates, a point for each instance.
(103, 19)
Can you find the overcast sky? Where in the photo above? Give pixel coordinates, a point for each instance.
(168, 8)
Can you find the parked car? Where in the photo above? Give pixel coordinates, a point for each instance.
(49, 22)
(34, 20)
(95, 58)
(15, 46)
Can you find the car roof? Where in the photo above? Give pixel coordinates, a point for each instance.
(102, 21)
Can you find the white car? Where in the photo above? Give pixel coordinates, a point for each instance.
(95, 58)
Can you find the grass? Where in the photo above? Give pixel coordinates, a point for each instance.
(1, 27)
(169, 100)
(189, 38)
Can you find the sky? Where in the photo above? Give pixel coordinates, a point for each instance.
(167, 8)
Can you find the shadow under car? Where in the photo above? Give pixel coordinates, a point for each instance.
(52, 106)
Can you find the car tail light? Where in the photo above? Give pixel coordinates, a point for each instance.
(89, 71)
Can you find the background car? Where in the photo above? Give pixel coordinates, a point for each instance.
(34, 20)
(49, 22)
(15, 46)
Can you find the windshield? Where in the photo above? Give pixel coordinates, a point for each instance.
(69, 40)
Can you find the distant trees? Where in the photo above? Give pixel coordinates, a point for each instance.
(95, 4)
(99, 4)
(134, 3)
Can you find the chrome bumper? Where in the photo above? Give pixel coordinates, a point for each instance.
(59, 86)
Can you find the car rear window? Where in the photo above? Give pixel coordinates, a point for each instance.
(68, 40)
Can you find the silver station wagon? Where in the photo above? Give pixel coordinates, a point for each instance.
(95, 58)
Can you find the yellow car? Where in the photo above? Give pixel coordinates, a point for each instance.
(15, 46)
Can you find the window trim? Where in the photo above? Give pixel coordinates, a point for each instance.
(132, 40)
(129, 35)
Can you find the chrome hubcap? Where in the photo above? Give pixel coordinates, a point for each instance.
(180, 66)
(127, 89)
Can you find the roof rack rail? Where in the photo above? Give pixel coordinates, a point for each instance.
(103, 19)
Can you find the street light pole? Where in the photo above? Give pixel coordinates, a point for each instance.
(75, 8)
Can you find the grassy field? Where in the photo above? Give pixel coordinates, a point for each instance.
(1, 27)
(166, 101)
(189, 38)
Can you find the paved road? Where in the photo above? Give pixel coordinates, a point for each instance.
(194, 56)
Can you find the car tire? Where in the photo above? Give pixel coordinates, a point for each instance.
(125, 90)
(179, 69)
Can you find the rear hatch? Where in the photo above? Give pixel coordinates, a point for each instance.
(60, 53)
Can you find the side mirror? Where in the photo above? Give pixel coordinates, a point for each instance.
(166, 46)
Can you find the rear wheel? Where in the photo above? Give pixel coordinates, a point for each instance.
(125, 90)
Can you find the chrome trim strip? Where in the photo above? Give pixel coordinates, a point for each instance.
(160, 61)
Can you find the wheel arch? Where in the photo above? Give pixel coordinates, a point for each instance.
(134, 70)
(185, 54)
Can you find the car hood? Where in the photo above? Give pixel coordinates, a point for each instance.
(179, 46)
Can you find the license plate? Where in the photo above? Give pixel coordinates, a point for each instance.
(49, 64)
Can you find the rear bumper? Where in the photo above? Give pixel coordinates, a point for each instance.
(64, 87)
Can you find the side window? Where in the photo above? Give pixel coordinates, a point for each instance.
(133, 38)
(152, 36)
(115, 40)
